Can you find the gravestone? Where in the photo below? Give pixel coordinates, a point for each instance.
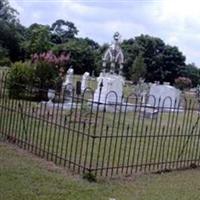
(110, 78)
(142, 89)
(112, 89)
(69, 77)
(84, 81)
(67, 85)
(164, 96)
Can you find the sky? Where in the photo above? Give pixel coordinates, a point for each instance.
(177, 22)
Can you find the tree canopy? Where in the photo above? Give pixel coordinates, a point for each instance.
(37, 39)
(7, 13)
(163, 62)
(62, 31)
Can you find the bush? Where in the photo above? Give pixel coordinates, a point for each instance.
(50, 69)
(46, 71)
(20, 76)
(5, 62)
(56, 63)
(45, 75)
(90, 177)
(183, 83)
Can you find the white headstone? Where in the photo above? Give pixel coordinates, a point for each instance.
(164, 96)
(69, 77)
(112, 89)
(84, 81)
(68, 85)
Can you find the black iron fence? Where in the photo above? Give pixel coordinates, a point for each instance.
(103, 138)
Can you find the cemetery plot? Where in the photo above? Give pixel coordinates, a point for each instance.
(103, 142)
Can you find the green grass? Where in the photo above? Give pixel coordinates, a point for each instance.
(25, 177)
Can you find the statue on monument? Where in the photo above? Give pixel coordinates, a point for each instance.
(113, 58)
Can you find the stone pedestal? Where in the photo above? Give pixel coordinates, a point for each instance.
(112, 88)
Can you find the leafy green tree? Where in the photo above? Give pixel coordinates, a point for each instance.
(11, 32)
(138, 69)
(37, 39)
(192, 72)
(7, 13)
(3, 52)
(172, 62)
(93, 45)
(62, 31)
(4, 60)
(83, 55)
(152, 49)
(130, 53)
(163, 62)
(10, 40)
(183, 83)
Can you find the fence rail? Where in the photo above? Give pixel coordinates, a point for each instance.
(104, 139)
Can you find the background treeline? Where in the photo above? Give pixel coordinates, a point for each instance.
(145, 55)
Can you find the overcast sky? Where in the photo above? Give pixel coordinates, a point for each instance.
(177, 22)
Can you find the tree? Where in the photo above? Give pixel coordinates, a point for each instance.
(94, 45)
(37, 39)
(62, 31)
(10, 39)
(162, 61)
(172, 62)
(7, 13)
(183, 83)
(11, 32)
(130, 52)
(83, 57)
(138, 69)
(3, 52)
(151, 48)
(192, 72)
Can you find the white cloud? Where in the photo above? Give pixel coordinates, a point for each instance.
(178, 23)
(76, 7)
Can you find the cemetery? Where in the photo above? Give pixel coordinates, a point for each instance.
(92, 125)
(99, 100)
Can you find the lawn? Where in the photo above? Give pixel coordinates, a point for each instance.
(26, 177)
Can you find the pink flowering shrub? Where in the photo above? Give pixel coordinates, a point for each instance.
(183, 83)
(45, 71)
(59, 63)
(50, 69)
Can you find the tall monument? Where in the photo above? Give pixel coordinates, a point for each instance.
(110, 81)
